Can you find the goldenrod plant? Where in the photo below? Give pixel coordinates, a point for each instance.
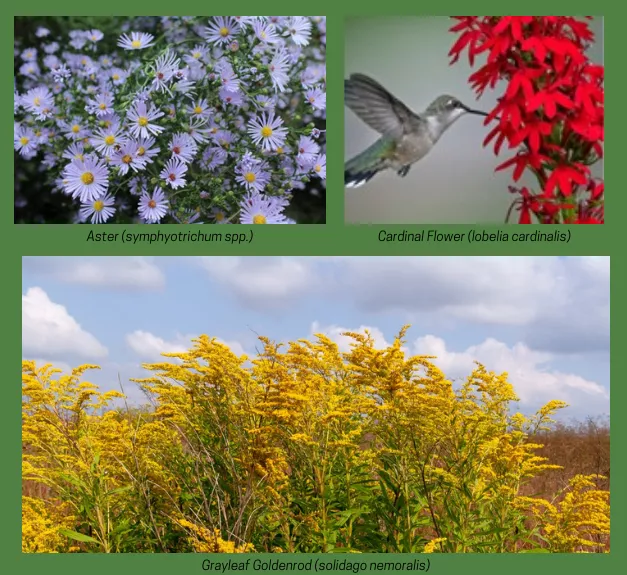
(303, 448)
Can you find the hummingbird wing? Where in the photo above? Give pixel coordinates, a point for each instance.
(376, 106)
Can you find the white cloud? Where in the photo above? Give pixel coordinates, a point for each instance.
(129, 273)
(48, 330)
(149, 347)
(334, 333)
(262, 282)
(529, 371)
(560, 304)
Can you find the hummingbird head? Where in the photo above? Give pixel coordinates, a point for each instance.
(446, 109)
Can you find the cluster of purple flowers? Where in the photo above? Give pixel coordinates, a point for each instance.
(183, 119)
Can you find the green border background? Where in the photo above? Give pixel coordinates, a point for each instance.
(334, 238)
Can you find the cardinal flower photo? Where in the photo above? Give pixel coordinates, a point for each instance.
(477, 120)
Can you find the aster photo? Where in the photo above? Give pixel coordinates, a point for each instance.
(177, 119)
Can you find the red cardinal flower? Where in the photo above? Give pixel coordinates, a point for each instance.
(552, 110)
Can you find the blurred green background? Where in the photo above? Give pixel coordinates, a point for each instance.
(455, 182)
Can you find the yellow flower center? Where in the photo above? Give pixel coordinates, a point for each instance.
(263, 34)
(224, 32)
(87, 178)
(266, 131)
(103, 106)
(79, 157)
(259, 219)
(84, 62)
(196, 55)
(152, 204)
(141, 151)
(250, 177)
(143, 121)
(37, 101)
(279, 150)
(98, 205)
(76, 128)
(126, 159)
(24, 140)
(136, 44)
(109, 140)
(197, 110)
(318, 167)
(116, 76)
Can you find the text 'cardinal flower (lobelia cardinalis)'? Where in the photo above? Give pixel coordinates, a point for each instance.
(552, 110)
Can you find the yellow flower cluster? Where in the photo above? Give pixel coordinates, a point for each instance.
(300, 449)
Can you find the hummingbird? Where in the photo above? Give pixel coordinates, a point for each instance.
(406, 136)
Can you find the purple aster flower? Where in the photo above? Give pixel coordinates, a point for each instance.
(39, 101)
(106, 140)
(118, 76)
(153, 208)
(278, 67)
(200, 109)
(29, 55)
(231, 98)
(213, 158)
(24, 141)
(268, 131)
(127, 157)
(101, 105)
(219, 216)
(136, 41)
(174, 173)
(51, 48)
(320, 166)
(259, 209)
(99, 210)
(299, 29)
(317, 98)
(229, 79)
(307, 150)
(145, 149)
(141, 117)
(95, 36)
(252, 176)
(221, 30)
(75, 129)
(265, 31)
(86, 179)
(197, 55)
(165, 68)
(183, 147)
(75, 151)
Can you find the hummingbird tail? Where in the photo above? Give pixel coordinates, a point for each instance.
(357, 171)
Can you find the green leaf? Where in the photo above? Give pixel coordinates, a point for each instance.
(78, 536)
(539, 550)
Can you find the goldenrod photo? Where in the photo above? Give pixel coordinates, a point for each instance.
(284, 405)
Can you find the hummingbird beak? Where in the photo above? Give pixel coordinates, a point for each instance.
(471, 111)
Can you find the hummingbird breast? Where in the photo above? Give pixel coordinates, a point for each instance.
(411, 148)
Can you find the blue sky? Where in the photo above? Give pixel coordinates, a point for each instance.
(545, 320)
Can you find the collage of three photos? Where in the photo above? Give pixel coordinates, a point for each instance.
(312, 404)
